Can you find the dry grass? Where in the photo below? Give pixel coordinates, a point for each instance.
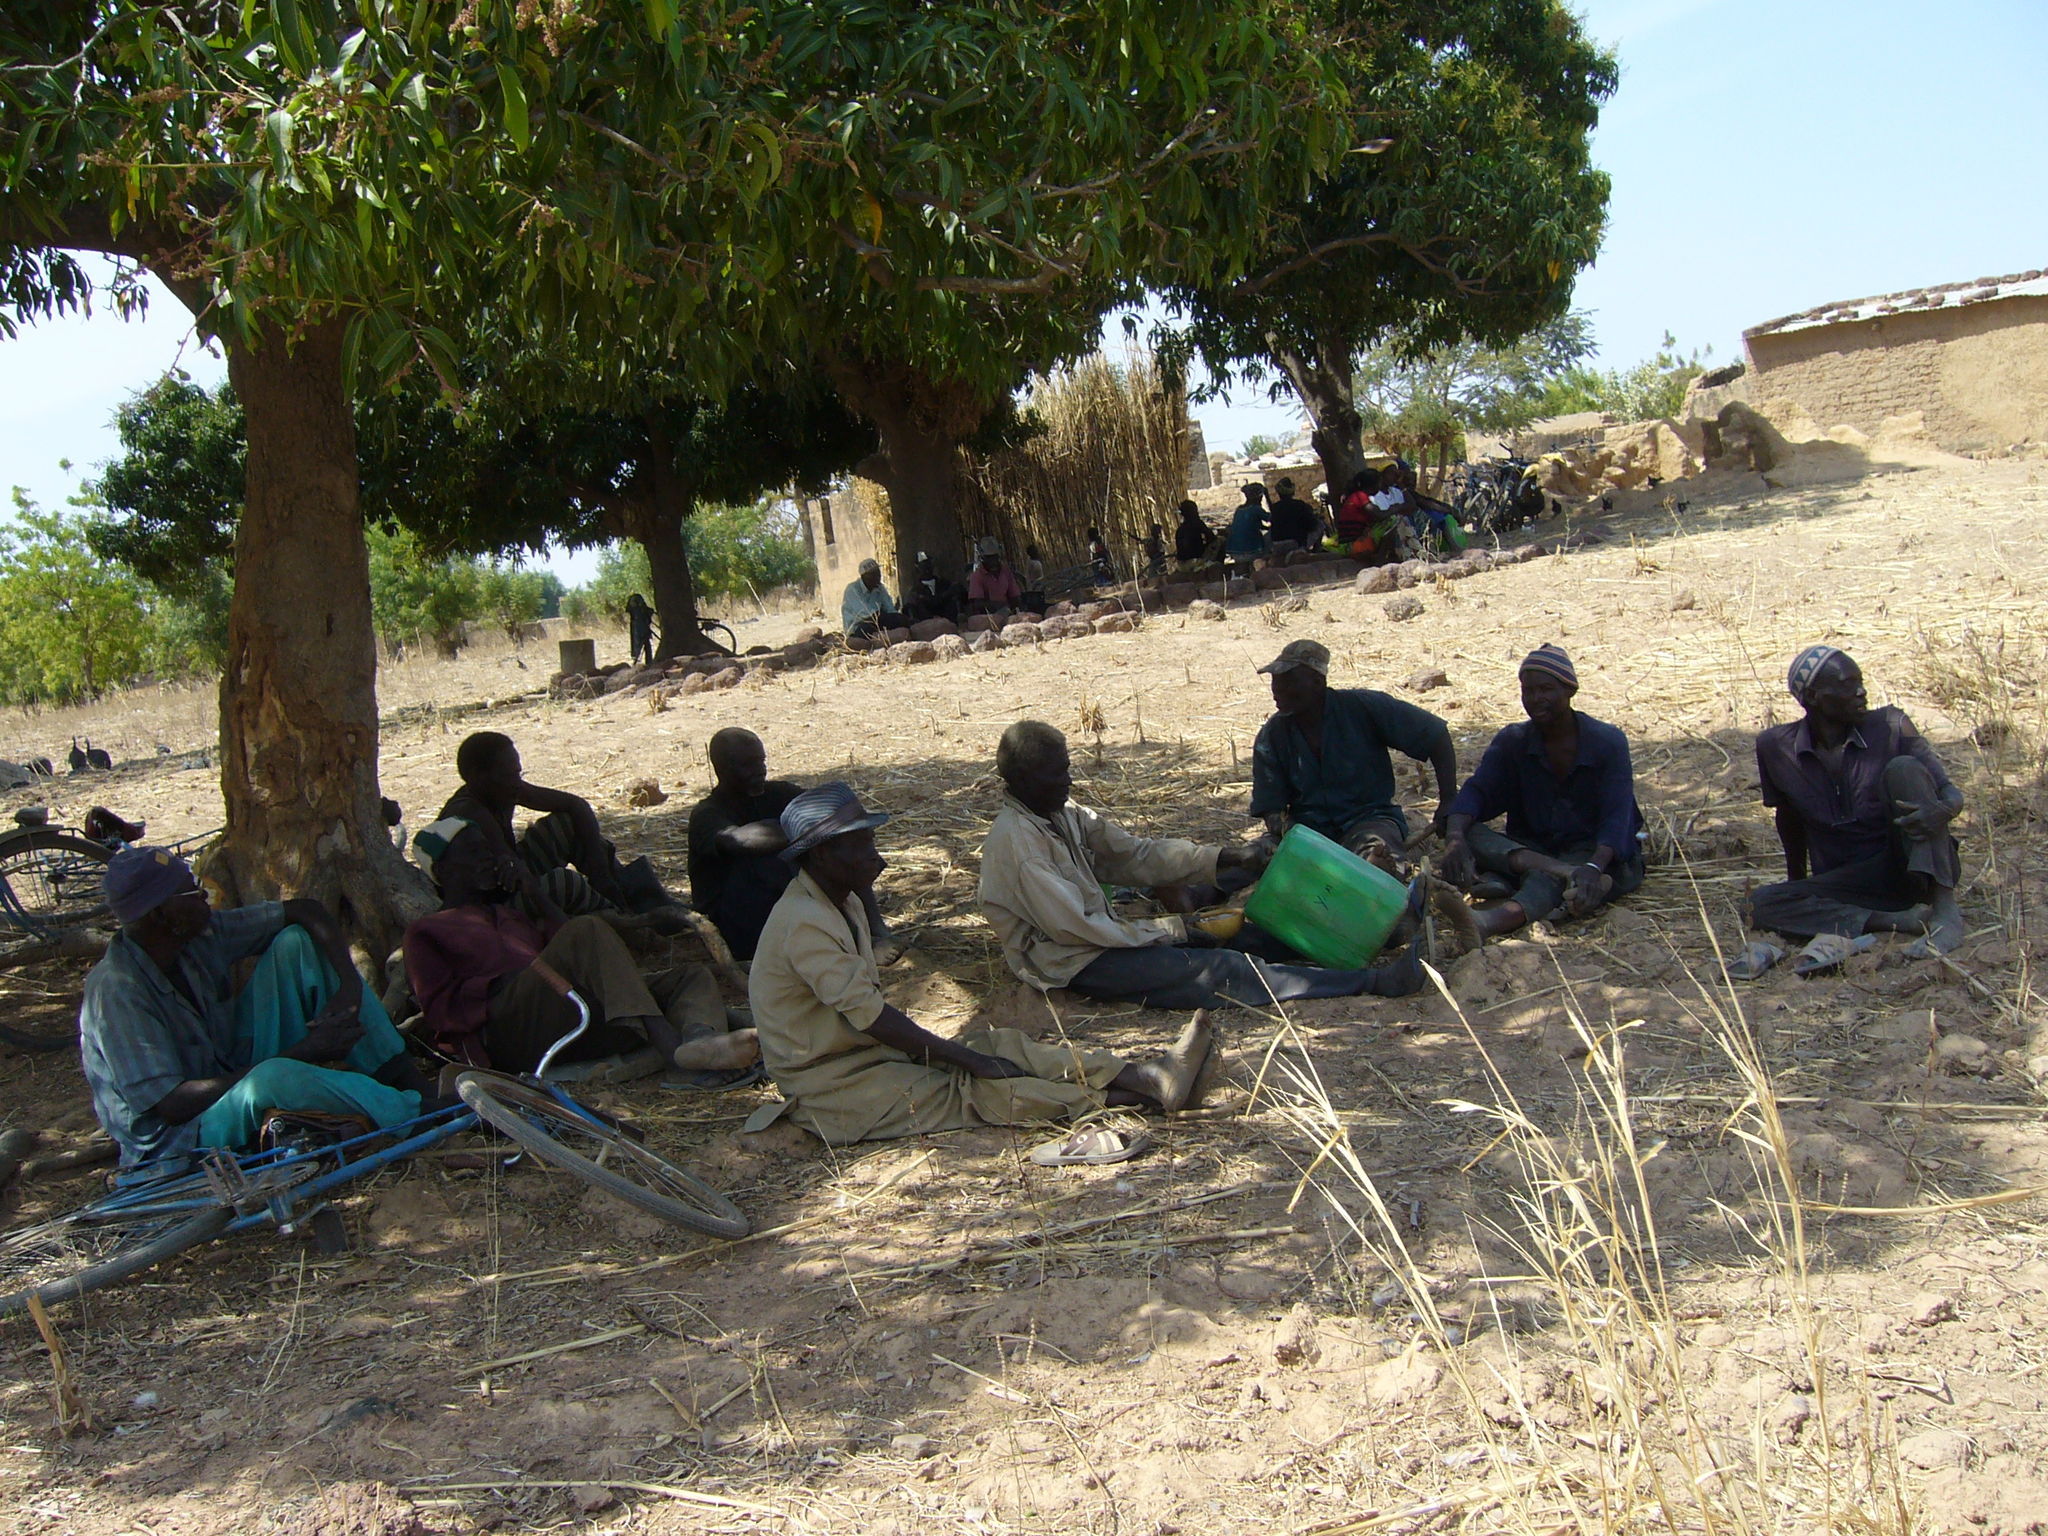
(1113, 456)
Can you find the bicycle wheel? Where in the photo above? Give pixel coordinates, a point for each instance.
(96, 1246)
(51, 879)
(599, 1154)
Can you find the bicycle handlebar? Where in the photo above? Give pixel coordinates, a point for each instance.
(554, 978)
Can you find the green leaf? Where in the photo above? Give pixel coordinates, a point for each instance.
(277, 127)
(515, 106)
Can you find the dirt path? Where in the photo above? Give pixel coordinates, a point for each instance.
(1500, 1301)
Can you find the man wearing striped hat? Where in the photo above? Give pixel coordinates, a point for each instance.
(1863, 808)
(1564, 782)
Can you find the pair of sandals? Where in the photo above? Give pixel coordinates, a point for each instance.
(1825, 953)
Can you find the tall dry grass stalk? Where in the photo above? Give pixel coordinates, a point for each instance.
(1113, 455)
(1585, 1310)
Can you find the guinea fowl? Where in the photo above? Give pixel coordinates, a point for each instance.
(98, 757)
(79, 761)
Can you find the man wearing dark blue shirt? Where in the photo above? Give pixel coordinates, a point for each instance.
(1565, 783)
(1324, 758)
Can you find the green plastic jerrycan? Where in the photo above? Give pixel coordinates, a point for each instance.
(1325, 901)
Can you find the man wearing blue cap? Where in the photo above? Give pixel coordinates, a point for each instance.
(1565, 784)
(178, 1058)
(1863, 808)
(852, 1067)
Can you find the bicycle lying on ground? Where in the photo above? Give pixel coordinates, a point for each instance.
(143, 1222)
(53, 882)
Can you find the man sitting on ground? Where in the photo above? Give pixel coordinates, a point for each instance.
(992, 587)
(1191, 536)
(1246, 540)
(1042, 872)
(1565, 783)
(179, 1058)
(1863, 802)
(866, 611)
(1295, 523)
(853, 1068)
(1323, 759)
(492, 982)
(932, 596)
(565, 850)
(737, 873)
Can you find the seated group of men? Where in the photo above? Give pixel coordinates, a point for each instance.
(184, 1053)
(994, 587)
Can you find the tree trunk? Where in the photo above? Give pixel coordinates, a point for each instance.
(298, 696)
(1323, 383)
(922, 421)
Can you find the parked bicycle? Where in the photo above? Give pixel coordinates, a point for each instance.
(148, 1219)
(1499, 495)
(52, 881)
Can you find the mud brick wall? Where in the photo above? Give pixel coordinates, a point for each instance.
(1978, 374)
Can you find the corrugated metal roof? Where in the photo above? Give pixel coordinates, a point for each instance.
(2032, 284)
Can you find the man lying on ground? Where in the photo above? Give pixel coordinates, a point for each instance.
(490, 979)
(866, 610)
(1042, 871)
(1567, 788)
(737, 873)
(1863, 802)
(1323, 758)
(568, 854)
(853, 1068)
(179, 1058)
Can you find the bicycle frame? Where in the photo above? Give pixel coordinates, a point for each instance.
(261, 1185)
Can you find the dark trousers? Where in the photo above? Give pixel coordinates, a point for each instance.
(1841, 899)
(874, 624)
(1168, 976)
(1542, 895)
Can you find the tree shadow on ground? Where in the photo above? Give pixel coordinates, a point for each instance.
(931, 1326)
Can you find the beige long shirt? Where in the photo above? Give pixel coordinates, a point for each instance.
(1041, 888)
(816, 992)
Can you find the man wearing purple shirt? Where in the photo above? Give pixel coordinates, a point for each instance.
(1863, 808)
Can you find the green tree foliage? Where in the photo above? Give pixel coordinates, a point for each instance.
(1258, 445)
(738, 552)
(1652, 388)
(176, 489)
(1464, 213)
(72, 625)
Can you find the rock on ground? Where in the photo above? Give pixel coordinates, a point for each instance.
(1401, 609)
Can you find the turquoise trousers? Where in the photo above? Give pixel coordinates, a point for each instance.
(290, 985)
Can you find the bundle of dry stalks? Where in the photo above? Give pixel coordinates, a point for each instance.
(1113, 455)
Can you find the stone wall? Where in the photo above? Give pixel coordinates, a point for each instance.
(844, 528)
(1978, 374)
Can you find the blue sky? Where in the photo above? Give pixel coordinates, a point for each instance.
(1767, 156)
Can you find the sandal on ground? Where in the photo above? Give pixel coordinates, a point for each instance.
(1829, 950)
(1758, 956)
(1091, 1147)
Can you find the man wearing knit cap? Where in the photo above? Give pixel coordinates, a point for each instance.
(1564, 782)
(1324, 757)
(179, 1058)
(1863, 807)
(852, 1067)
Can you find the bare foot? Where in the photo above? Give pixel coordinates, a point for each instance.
(741, 1048)
(1170, 1081)
(888, 950)
(1944, 928)
(1457, 930)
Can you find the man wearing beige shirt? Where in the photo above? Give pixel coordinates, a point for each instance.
(852, 1067)
(1042, 870)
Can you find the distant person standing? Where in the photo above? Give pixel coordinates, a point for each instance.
(1098, 557)
(640, 630)
(1033, 576)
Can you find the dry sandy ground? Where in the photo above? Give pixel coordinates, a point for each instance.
(1429, 1278)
